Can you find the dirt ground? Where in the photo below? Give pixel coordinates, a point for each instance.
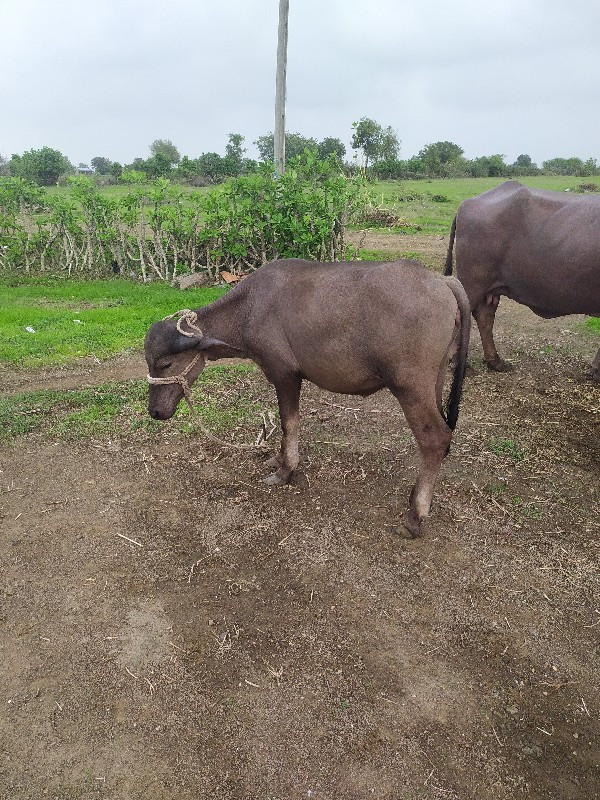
(283, 643)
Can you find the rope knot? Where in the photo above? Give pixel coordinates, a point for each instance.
(189, 316)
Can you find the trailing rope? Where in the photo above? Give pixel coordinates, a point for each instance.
(191, 318)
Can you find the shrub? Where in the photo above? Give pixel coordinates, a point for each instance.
(157, 229)
(379, 218)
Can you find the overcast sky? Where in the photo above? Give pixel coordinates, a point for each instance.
(108, 77)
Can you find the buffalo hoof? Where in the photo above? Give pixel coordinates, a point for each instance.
(275, 480)
(412, 526)
(499, 365)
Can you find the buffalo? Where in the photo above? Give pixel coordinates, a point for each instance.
(538, 247)
(352, 327)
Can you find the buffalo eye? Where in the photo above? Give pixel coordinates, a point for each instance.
(166, 365)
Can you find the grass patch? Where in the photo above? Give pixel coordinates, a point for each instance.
(380, 255)
(413, 254)
(122, 190)
(526, 509)
(593, 324)
(495, 489)
(507, 448)
(72, 319)
(221, 397)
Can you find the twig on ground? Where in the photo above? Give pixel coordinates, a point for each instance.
(133, 541)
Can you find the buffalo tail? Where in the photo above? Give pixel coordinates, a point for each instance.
(460, 368)
(448, 267)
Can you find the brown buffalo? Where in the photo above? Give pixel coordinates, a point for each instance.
(351, 327)
(537, 247)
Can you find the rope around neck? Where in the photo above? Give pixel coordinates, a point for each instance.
(191, 318)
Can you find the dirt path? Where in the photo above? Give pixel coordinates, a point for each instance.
(255, 643)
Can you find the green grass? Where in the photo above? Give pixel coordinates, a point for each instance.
(430, 217)
(114, 408)
(593, 324)
(507, 448)
(73, 318)
(120, 190)
(382, 255)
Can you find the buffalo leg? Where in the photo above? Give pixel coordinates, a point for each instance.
(485, 314)
(433, 438)
(286, 461)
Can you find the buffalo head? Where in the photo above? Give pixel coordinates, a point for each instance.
(175, 360)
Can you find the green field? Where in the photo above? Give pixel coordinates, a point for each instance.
(73, 319)
(415, 204)
(120, 190)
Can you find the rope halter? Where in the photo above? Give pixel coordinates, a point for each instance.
(191, 318)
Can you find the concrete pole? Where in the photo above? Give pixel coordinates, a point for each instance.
(282, 39)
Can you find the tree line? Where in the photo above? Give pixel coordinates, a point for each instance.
(376, 154)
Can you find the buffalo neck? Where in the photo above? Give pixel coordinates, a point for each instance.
(223, 319)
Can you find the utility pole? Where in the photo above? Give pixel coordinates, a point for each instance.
(282, 39)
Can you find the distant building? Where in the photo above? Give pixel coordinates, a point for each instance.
(83, 169)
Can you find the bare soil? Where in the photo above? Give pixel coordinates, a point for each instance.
(252, 642)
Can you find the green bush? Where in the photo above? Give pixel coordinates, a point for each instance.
(158, 229)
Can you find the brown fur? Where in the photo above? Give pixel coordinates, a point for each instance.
(537, 247)
(352, 327)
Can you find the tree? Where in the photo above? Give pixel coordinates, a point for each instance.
(441, 158)
(367, 137)
(295, 145)
(137, 165)
(233, 148)
(389, 147)
(159, 166)
(445, 152)
(44, 166)
(166, 148)
(4, 169)
(497, 166)
(211, 165)
(377, 143)
(234, 154)
(523, 166)
(101, 165)
(116, 169)
(564, 166)
(187, 168)
(523, 161)
(487, 167)
(330, 146)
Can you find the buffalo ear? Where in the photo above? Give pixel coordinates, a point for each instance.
(182, 343)
(215, 348)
